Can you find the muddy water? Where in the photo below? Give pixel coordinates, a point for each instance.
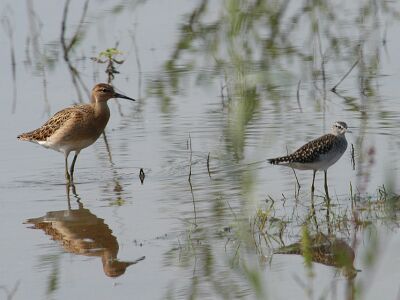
(217, 94)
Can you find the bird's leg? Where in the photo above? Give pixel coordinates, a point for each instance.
(312, 200)
(326, 185)
(313, 179)
(67, 176)
(73, 166)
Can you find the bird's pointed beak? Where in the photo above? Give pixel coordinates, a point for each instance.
(116, 95)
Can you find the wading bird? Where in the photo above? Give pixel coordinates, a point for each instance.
(318, 154)
(76, 127)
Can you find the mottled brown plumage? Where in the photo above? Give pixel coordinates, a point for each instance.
(76, 127)
(319, 154)
(74, 113)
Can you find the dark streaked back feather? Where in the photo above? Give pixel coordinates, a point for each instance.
(309, 152)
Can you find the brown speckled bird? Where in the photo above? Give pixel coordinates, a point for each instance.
(319, 154)
(76, 127)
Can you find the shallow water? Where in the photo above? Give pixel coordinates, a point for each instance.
(216, 98)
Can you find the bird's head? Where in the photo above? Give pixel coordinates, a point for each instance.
(103, 91)
(339, 128)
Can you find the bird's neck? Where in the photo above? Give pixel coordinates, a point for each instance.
(341, 136)
(101, 110)
(338, 134)
(93, 99)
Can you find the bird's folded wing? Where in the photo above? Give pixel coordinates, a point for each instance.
(312, 150)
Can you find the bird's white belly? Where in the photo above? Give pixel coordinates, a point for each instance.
(76, 145)
(323, 163)
(330, 159)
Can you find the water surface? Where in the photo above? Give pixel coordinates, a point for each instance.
(218, 93)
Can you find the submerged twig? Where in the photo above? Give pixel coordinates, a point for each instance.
(345, 75)
(189, 143)
(353, 161)
(194, 203)
(208, 164)
(225, 87)
(298, 96)
(46, 98)
(111, 68)
(295, 175)
(222, 95)
(232, 211)
(76, 79)
(108, 148)
(298, 183)
(139, 66)
(322, 63)
(8, 28)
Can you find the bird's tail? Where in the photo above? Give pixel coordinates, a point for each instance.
(24, 137)
(280, 160)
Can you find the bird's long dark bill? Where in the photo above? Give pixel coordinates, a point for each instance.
(116, 95)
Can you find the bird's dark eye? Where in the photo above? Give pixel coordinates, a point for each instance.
(104, 90)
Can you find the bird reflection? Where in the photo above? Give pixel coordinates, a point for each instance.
(81, 232)
(327, 250)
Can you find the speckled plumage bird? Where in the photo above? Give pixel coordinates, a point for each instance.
(76, 127)
(318, 154)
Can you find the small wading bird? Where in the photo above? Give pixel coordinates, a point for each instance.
(76, 127)
(319, 154)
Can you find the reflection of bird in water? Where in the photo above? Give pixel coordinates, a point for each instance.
(319, 154)
(327, 250)
(77, 127)
(81, 232)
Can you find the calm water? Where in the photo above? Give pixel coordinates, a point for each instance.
(218, 93)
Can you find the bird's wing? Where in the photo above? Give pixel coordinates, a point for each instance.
(309, 152)
(52, 125)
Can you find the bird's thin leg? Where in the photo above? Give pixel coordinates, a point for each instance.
(312, 201)
(73, 166)
(313, 179)
(67, 176)
(326, 184)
